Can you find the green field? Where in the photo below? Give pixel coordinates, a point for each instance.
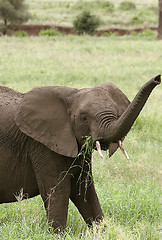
(62, 12)
(129, 190)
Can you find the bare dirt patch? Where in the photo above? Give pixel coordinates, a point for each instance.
(33, 30)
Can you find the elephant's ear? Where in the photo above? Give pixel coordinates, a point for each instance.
(43, 115)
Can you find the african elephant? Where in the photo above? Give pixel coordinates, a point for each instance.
(42, 132)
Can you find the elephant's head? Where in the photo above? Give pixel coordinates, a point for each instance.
(106, 114)
(61, 117)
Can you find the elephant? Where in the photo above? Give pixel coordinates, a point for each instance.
(42, 133)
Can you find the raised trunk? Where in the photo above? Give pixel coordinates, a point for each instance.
(119, 128)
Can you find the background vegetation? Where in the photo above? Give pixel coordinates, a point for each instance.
(13, 12)
(111, 12)
(129, 190)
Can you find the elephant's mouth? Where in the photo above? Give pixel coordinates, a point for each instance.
(105, 146)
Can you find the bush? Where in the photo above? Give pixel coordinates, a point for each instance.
(127, 5)
(20, 33)
(52, 32)
(137, 20)
(147, 32)
(86, 23)
(111, 34)
(134, 33)
(109, 6)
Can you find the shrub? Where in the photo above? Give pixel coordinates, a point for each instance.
(134, 33)
(127, 5)
(107, 34)
(147, 32)
(20, 33)
(111, 34)
(86, 23)
(137, 20)
(109, 6)
(52, 32)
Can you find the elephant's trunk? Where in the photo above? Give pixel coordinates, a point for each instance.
(120, 127)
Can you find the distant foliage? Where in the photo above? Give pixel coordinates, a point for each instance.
(20, 33)
(109, 6)
(85, 5)
(111, 34)
(147, 32)
(13, 12)
(86, 23)
(52, 32)
(93, 5)
(127, 5)
(137, 20)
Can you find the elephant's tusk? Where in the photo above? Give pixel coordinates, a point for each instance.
(99, 149)
(123, 150)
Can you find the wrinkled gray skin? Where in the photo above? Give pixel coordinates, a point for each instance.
(41, 134)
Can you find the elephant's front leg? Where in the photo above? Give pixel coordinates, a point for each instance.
(54, 186)
(56, 203)
(84, 196)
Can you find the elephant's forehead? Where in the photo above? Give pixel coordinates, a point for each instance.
(92, 94)
(93, 98)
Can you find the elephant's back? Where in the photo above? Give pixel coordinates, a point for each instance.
(9, 100)
(8, 94)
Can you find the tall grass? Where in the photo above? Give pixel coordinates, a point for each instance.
(129, 190)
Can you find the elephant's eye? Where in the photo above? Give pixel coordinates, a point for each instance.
(84, 118)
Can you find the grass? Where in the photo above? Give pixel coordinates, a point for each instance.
(63, 12)
(129, 190)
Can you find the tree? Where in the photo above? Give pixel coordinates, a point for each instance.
(160, 20)
(13, 12)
